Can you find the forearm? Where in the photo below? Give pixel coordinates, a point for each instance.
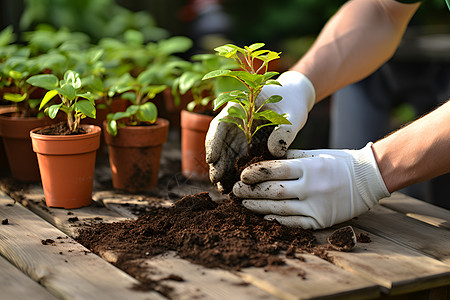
(417, 152)
(360, 37)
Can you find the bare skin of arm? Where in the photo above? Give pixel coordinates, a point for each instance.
(417, 152)
(357, 40)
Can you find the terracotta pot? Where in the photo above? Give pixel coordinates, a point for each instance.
(194, 127)
(134, 155)
(67, 166)
(15, 133)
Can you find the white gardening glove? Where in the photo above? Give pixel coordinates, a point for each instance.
(225, 142)
(313, 189)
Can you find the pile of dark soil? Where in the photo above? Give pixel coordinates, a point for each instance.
(224, 235)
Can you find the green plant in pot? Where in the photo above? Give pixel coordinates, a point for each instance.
(197, 116)
(22, 114)
(66, 151)
(135, 136)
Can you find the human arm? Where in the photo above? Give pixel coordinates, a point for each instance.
(357, 40)
(417, 152)
(320, 188)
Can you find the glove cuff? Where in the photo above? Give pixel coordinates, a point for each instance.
(302, 84)
(368, 178)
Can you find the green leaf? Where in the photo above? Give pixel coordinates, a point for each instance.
(67, 91)
(272, 82)
(47, 97)
(256, 46)
(154, 90)
(237, 112)
(216, 73)
(132, 109)
(46, 81)
(111, 127)
(273, 99)
(221, 100)
(148, 112)
(72, 78)
(188, 80)
(33, 103)
(86, 108)
(272, 117)
(15, 97)
(190, 106)
(118, 115)
(146, 77)
(53, 110)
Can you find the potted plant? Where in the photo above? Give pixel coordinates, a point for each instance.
(135, 136)
(66, 151)
(22, 116)
(248, 115)
(197, 116)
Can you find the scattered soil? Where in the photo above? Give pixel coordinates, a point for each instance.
(224, 235)
(60, 129)
(47, 242)
(363, 238)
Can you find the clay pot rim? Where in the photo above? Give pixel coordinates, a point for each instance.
(91, 130)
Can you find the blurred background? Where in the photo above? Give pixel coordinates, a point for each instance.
(413, 82)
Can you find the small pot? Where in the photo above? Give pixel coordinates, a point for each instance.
(15, 133)
(194, 127)
(67, 165)
(135, 154)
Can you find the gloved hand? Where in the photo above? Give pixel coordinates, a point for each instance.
(225, 142)
(313, 189)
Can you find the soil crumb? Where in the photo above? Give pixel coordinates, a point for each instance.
(363, 238)
(47, 242)
(5, 222)
(343, 238)
(223, 235)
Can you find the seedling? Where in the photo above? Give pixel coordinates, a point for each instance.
(75, 102)
(254, 74)
(139, 91)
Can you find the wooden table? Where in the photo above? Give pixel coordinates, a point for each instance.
(408, 258)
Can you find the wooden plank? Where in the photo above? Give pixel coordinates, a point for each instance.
(310, 278)
(197, 282)
(68, 221)
(408, 232)
(396, 269)
(16, 285)
(418, 209)
(67, 269)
